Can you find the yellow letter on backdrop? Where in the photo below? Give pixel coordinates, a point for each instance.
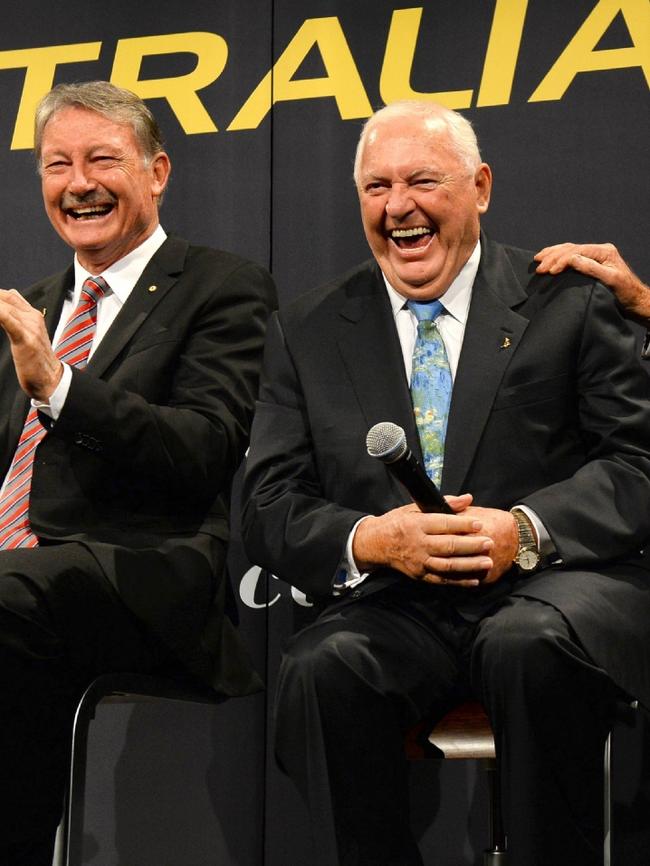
(580, 54)
(342, 80)
(395, 80)
(40, 64)
(180, 91)
(502, 52)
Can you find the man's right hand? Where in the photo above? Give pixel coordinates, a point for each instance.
(434, 548)
(38, 369)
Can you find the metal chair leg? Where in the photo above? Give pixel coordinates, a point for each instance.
(496, 854)
(74, 804)
(607, 817)
(625, 712)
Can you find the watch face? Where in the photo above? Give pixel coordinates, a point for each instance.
(528, 559)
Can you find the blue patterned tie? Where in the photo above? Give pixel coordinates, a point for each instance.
(431, 385)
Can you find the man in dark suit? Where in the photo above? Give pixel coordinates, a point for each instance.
(534, 595)
(141, 365)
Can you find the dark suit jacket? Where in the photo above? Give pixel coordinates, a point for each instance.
(139, 465)
(549, 408)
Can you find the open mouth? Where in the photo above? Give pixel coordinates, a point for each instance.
(89, 212)
(414, 238)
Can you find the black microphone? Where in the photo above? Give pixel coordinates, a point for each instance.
(387, 442)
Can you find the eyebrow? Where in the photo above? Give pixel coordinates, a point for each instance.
(55, 151)
(427, 169)
(373, 175)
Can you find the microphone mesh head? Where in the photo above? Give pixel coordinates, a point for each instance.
(386, 441)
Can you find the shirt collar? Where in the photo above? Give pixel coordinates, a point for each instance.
(457, 297)
(123, 274)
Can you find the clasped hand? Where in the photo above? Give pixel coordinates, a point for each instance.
(470, 547)
(37, 367)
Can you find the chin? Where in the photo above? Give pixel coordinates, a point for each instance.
(87, 241)
(418, 282)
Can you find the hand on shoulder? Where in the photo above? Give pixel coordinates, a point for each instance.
(604, 263)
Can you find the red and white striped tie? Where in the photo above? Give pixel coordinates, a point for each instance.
(73, 348)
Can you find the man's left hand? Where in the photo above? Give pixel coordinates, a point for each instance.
(37, 367)
(501, 527)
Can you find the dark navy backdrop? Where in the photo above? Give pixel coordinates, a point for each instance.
(559, 97)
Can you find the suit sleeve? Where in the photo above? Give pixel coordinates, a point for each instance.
(288, 525)
(601, 512)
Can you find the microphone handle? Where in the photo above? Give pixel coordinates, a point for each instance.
(419, 485)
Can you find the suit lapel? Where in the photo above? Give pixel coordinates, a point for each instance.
(370, 349)
(157, 279)
(492, 334)
(49, 298)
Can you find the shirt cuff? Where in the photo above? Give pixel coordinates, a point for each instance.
(645, 351)
(54, 406)
(547, 551)
(348, 575)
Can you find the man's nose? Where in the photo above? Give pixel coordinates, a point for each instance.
(80, 181)
(400, 201)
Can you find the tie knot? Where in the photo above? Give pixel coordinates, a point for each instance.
(425, 311)
(95, 288)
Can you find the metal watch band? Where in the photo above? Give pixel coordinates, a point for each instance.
(528, 556)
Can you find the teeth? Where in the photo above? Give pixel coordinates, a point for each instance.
(410, 233)
(89, 211)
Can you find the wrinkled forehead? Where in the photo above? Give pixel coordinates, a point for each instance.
(428, 130)
(77, 128)
(74, 120)
(393, 141)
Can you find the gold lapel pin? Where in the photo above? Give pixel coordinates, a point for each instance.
(506, 343)
(152, 288)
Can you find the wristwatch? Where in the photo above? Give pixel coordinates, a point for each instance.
(528, 557)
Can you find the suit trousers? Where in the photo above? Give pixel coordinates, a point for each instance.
(353, 682)
(61, 625)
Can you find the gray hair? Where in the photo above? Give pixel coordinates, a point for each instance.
(461, 133)
(114, 103)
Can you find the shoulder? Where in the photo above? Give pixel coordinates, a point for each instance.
(220, 262)
(353, 288)
(570, 309)
(507, 264)
(213, 268)
(59, 280)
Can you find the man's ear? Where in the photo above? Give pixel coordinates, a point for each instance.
(160, 170)
(483, 183)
